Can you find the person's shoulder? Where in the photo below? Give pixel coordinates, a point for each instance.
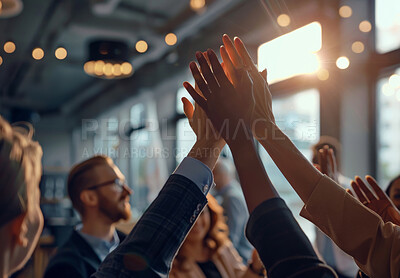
(65, 263)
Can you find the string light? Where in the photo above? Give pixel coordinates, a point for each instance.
(141, 46)
(197, 5)
(38, 53)
(171, 39)
(345, 11)
(283, 20)
(61, 53)
(357, 47)
(126, 68)
(9, 47)
(343, 62)
(365, 26)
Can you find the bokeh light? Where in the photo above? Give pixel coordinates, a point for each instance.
(345, 11)
(343, 62)
(283, 20)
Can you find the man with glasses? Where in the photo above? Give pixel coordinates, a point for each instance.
(99, 193)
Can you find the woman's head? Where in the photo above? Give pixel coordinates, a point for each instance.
(393, 191)
(210, 229)
(21, 220)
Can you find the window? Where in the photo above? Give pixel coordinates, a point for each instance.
(388, 127)
(148, 169)
(106, 141)
(298, 116)
(291, 54)
(387, 21)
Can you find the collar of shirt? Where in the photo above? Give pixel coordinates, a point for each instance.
(100, 246)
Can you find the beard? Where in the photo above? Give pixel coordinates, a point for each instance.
(115, 210)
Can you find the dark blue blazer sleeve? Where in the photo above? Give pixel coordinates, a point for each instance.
(151, 246)
(282, 245)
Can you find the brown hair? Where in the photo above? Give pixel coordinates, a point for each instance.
(80, 177)
(217, 235)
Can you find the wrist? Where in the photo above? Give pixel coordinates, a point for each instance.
(207, 152)
(265, 130)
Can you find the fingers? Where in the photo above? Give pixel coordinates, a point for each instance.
(317, 166)
(358, 192)
(217, 69)
(200, 82)
(379, 192)
(332, 159)
(365, 189)
(264, 74)
(244, 54)
(230, 68)
(230, 48)
(349, 191)
(188, 108)
(199, 99)
(322, 161)
(207, 73)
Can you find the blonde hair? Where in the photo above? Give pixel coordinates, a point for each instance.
(20, 166)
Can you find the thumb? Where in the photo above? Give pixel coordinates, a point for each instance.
(187, 108)
(264, 74)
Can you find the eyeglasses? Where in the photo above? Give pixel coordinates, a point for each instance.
(120, 185)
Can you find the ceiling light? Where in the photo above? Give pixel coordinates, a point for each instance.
(10, 8)
(126, 68)
(197, 5)
(357, 47)
(365, 26)
(108, 60)
(345, 11)
(283, 20)
(1, 60)
(343, 62)
(61, 53)
(141, 46)
(171, 39)
(37, 53)
(9, 47)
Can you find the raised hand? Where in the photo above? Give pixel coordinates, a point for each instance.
(200, 124)
(327, 163)
(235, 57)
(228, 107)
(377, 200)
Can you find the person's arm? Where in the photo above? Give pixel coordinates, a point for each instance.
(283, 253)
(373, 244)
(151, 246)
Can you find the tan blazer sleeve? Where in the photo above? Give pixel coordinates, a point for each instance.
(357, 230)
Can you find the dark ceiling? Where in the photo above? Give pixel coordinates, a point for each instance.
(61, 87)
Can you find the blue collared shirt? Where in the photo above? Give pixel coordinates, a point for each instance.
(149, 249)
(197, 172)
(100, 246)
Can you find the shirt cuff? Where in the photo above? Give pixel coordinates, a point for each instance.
(197, 172)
